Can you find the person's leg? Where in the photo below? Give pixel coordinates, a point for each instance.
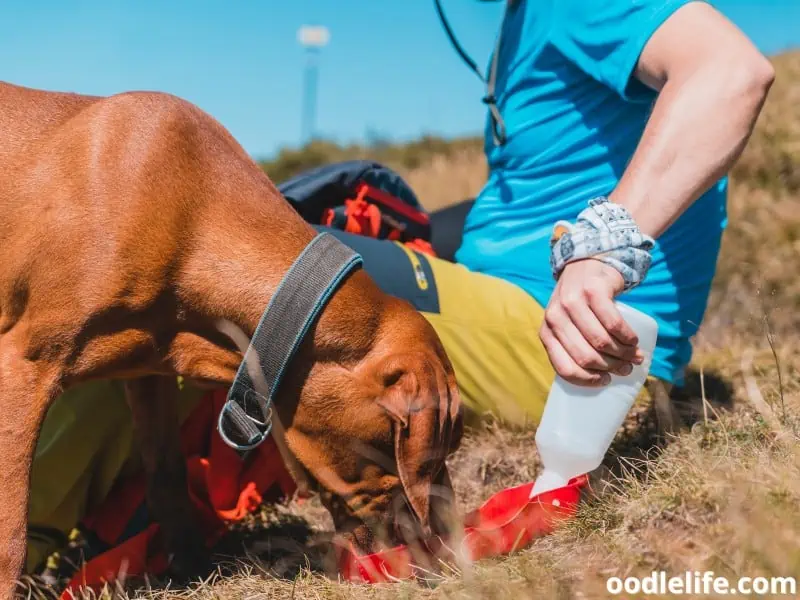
(660, 394)
(490, 330)
(489, 327)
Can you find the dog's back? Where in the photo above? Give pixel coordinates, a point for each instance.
(61, 196)
(98, 196)
(27, 114)
(27, 119)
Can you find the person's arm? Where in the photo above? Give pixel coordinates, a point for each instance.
(712, 83)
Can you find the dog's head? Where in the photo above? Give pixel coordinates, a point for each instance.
(372, 432)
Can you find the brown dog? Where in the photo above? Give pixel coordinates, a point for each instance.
(130, 226)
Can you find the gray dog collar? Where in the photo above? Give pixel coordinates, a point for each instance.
(246, 419)
(607, 232)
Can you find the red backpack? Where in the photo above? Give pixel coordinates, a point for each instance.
(361, 197)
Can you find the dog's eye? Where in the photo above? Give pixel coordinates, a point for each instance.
(392, 378)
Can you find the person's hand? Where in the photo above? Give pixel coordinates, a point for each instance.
(584, 334)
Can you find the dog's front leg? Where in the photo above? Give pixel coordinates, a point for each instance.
(153, 402)
(26, 391)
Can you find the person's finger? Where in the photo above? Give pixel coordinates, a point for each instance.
(593, 331)
(611, 319)
(576, 345)
(565, 366)
(624, 370)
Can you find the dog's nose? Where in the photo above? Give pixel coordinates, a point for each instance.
(399, 526)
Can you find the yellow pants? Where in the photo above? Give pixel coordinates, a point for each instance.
(490, 330)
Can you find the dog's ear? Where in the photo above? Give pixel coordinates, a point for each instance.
(419, 406)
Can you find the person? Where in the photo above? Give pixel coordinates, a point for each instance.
(610, 123)
(610, 128)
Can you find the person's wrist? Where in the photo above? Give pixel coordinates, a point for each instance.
(596, 267)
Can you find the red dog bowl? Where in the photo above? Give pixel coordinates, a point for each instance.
(508, 521)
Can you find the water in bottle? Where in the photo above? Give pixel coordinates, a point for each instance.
(579, 423)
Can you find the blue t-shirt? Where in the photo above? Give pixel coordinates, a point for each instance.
(574, 114)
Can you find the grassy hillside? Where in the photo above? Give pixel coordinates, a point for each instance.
(722, 494)
(759, 271)
(441, 172)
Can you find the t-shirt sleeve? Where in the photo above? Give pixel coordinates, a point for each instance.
(605, 38)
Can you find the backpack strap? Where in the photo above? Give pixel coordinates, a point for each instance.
(490, 100)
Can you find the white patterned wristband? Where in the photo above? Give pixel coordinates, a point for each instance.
(606, 232)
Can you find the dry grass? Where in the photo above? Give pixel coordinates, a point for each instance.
(446, 180)
(722, 494)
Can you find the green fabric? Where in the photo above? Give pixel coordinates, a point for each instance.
(86, 441)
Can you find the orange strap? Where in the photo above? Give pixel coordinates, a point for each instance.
(365, 218)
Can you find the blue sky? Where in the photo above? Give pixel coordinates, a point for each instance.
(388, 70)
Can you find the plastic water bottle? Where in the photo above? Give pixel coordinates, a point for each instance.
(579, 423)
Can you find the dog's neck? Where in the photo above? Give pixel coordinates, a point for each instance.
(244, 247)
